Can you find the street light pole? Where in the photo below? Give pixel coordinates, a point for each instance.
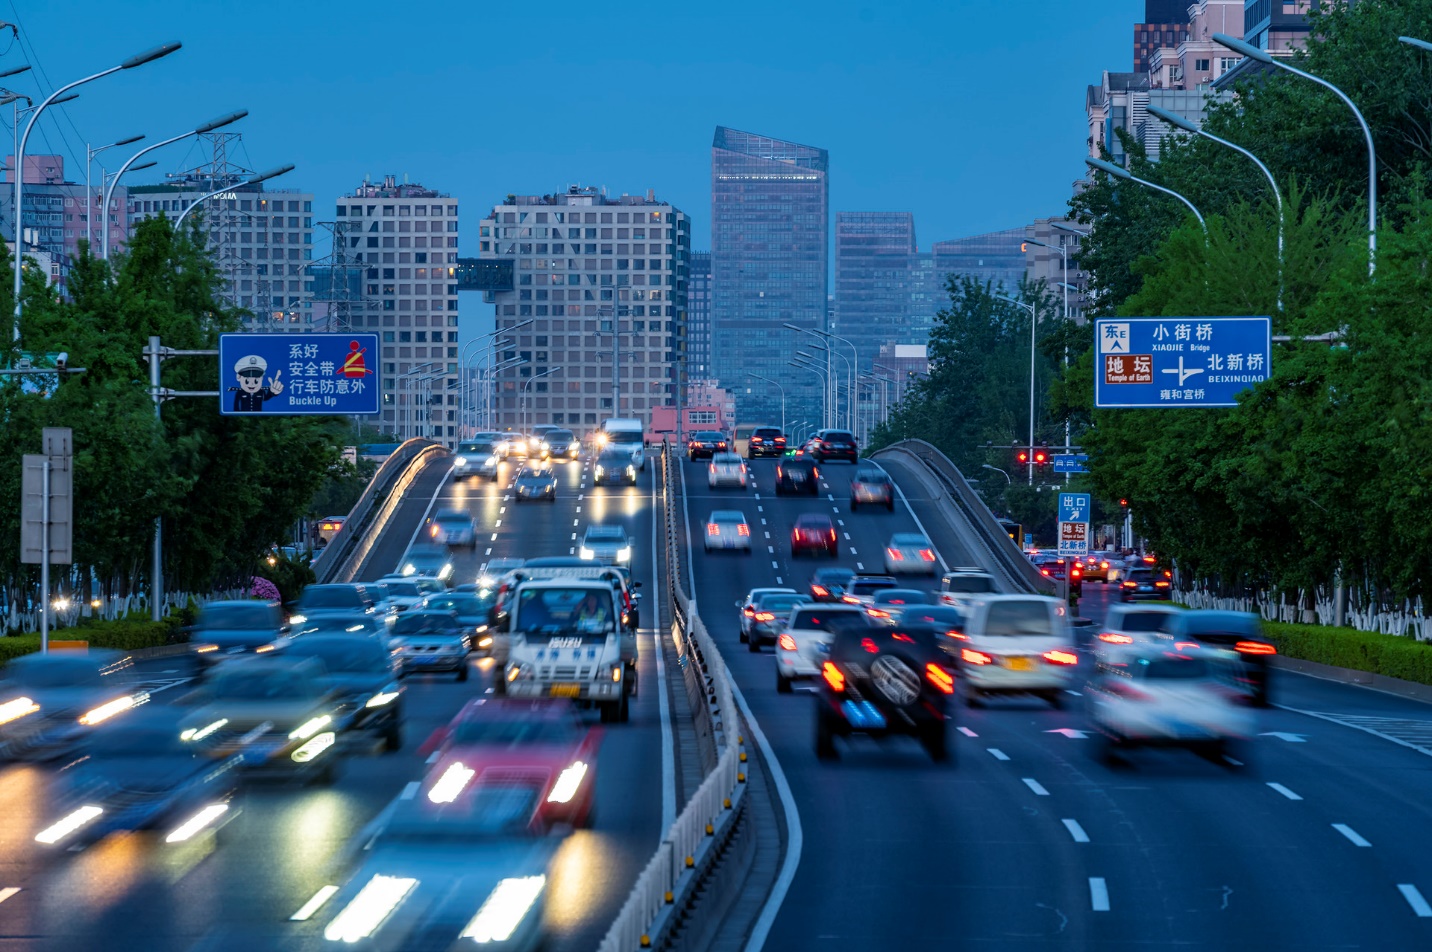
(497, 369)
(526, 410)
(824, 382)
(1007, 480)
(854, 368)
(89, 191)
(616, 310)
(253, 180)
(783, 395)
(1121, 173)
(1064, 256)
(1033, 324)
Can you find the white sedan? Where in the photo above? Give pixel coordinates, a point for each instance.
(728, 529)
(726, 469)
(910, 553)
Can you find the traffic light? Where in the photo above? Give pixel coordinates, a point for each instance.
(1124, 503)
(1021, 456)
(1041, 455)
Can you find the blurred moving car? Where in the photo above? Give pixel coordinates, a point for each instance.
(614, 466)
(1127, 624)
(748, 607)
(804, 644)
(433, 561)
(962, 584)
(560, 445)
(833, 444)
(492, 572)
(139, 773)
(949, 624)
(519, 444)
(335, 599)
(910, 553)
(432, 641)
(49, 701)
(885, 682)
(861, 589)
(814, 532)
(608, 545)
(772, 612)
(227, 629)
(405, 591)
(453, 527)
(544, 740)
(536, 482)
(726, 469)
(1240, 636)
(1143, 583)
(347, 626)
(1017, 644)
(476, 459)
(797, 476)
(871, 486)
(728, 529)
(828, 584)
(471, 609)
(706, 444)
(275, 711)
(362, 674)
(1146, 694)
(889, 604)
(765, 441)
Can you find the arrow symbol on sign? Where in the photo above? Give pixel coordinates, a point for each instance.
(1290, 738)
(1070, 733)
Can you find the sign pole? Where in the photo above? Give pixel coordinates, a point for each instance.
(156, 571)
(45, 556)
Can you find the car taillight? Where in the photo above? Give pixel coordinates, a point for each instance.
(780, 441)
(869, 646)
(927, 555)
(1103, 565)
(755, 439)
(940, 678)
(743, 529)
(1043, 571)
(1160, 585)
(1077, 571)
(1116, 639)
(1129, 583)
(876, 613)
(1061, 657)
(895, 554)
(819, 590)
(1255, 648)
(832, 676)
(971, 656)
(786, 642)
(721, 445)
(713, 529)
(957, 635)
(749, 611)
(1124, 691)
(832, 535)
(1181, 645)
(765, 616)
(850, 599)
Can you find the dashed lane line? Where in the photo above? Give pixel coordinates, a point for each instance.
(1285, 791)
(967, 732)
(1098, 894)
(7, 892)
(1036, 786)
(1352, 835)
(996, 753)
(1414, 899)
(1076, 831)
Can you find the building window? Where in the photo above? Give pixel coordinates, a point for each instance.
(1201, 65)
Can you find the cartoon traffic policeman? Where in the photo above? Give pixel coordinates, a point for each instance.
(250, 394)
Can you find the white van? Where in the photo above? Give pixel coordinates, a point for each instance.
(1016, 644)
(625, 434)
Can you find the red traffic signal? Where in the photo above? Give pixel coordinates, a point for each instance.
(1041, 456)
(1124, 503)
(1023, 457)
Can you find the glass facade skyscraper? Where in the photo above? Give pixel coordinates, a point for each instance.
(770, 214)
(698, 317)
(875, 271)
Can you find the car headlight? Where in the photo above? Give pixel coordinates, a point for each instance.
(409, 569)
(310, 727)
(68, 824)
(16, 709)
(586, 553)
(545, 446)
(623, 553)
(572, 450)
(503, 911)
(485, 642)
(446, 572)
(297, 619)
(385, 696)
(567, 783)
(631, 470)
(515, 671)
(460, 461)
(600, 470)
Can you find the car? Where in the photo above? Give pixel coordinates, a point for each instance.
(889, 604)
(334, 599)
(872, 486)
(802, 647)
(726, 469)
(432, 641)
(862, 589)
(1143, 583)
(885, 682)
(139, 773)
(493, 570)
(1145, 695)
(706, 444)
(472, 609)
(614, 466)
(536, 482)
(544, 739)
(229, 629)
(728, 529)
(748, 607)
(1017, 645)
(797, 476)
(476, 459)
(363, 676)
(833, 444)
(1096, 568)
(405, 591)
(910, 553)
(814, 532)
(465, 861)
(498, 440)
(560, 445)
(453, 527)
(1061, 569)
(962, 584)
(49, 701)
(766, 441)
(433, 561)
(949, 623)
(608, 545)
(1239, 636)
(520, 444)
(772, 612)
(348, 626)
(276, 711)
(627, 435)
(1127, 624)
(828, 584)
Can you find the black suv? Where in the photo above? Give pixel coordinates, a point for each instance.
(882, 682)
(834, 444)
(766, 441)
(705, 444)
(797, 476)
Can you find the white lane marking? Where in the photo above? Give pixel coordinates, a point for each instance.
(576, 522)
(1036, 786)
(835, 509)
(307, 910)
(7, 892)
(847, 538)
(1415, 900)
(668, 734)
(760, 508)
(996, 753)
(775, 565)
(831, 496)
(1076, 831)
(778, 580)
(1285, 791)
(768, 535)
(763, 520)
(1290, 738)
(852, 551)
(442, 484)
(411, 790)
(579, 508)
(497, 523)
(1236, 763)
(488, 552)
(1351, 834)
(944, 566)
(572, 550)
(967, 732)
(841, 522)
(1098, 894)
(860, 566)
(772, 550)
(494, 537)
(501, 510)
(574, 537)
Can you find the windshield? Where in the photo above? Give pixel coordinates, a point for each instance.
(970, 584)
(908, 539)
(606, 534)
(585, 610)
(780, 604)
(403, 589)
(424, 623)
(338, 624)
(1147, 621)
(560, 436)
(516, 733)
(261, 684)
(148, 741)
(902, 596)
(610, 458)
(834, 576)
(624, 437)
(1015, 618)
(428, 585)
(340, 656)
(872, 477)
(453, 518)
(829, 621)
(767, 432)
(1141, 575)
(838, 436)
(485, 809)
(257, 616)
(480, 448)
(325, 596)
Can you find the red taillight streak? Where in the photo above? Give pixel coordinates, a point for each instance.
(1181, 645)
(765, 616)
(850, 599)
(749, 611)
(1255, 648)
(869, 646)
(743, 529)
(786, 642)
(957, 635)
(900, 636)
(927, 555)
(712, 529)
(1061, 657)
(895, 554)
(1129, 584)
(832, 676)
(876, 613)
(1114, 639)
(940, 678)
(819, 590)
(971, 656)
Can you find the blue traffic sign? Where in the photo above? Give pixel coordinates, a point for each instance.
(1066, 463)
(289, 374)
(1073, 507)
(1179, 361)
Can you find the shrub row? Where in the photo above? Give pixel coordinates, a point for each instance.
(122, 634)
(1389, 655)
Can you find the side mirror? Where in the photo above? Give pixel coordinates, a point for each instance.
(636, 585)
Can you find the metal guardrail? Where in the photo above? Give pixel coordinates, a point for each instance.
(364, 525)
(991, 534)
(665, 884)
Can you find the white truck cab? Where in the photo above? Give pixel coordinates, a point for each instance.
(628, 434)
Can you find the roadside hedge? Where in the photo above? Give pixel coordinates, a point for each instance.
(1389, 655)
(122, 634)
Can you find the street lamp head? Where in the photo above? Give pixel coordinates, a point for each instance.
(1107, 167)
(8, 98)
(1173, 119)
(67, 97)
(1239, 46)
(1032, 241)
(1072, 231)
(15, 72)
(1409, 40)
(220, 122)
(130, 141)
(271, 173)
(149, 56)
(142, 165)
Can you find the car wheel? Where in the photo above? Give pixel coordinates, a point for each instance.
(973, 698)
(743, 637)
(890, 506)
(624, 708)
(393, 736)
(783, 683)
(462, 672)
(1055, 699)
(934, 737)
(754, 644)
(824, 735)
(328, 773)
(854, 505)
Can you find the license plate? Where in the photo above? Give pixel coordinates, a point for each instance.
(565, 690)
(1019, 664)
(1146, 588)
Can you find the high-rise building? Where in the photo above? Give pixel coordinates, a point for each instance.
(1165, 25)
(588, 276)
(58, 214)
(874, 256)
(770, 215)
(698, 318)
(1120, 101)
(403, 237)
(1196, 59)
(995, 258)
(1056, 262)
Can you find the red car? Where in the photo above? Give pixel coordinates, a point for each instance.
(814, 533)
(537, 741)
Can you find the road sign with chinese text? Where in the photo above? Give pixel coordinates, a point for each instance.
(1073, 507)
(288, 374)
(1073, 538)
(1179, 361)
